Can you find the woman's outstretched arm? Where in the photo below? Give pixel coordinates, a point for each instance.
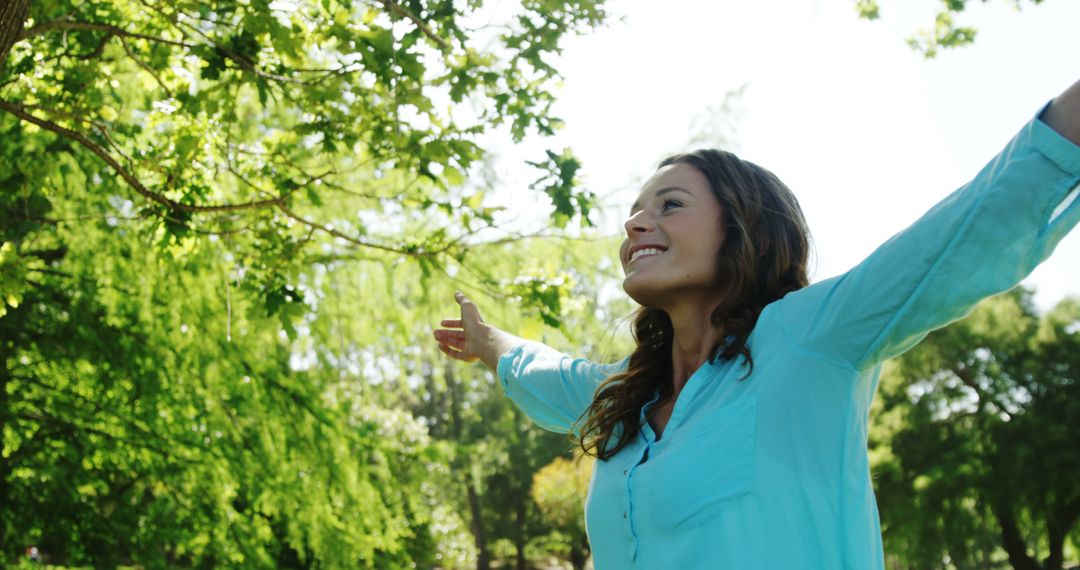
(981, 240)
(469, 338)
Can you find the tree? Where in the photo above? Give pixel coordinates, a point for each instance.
(138, 428)
(187, 188)
(974, 436)
(560, 489)
(944, 34)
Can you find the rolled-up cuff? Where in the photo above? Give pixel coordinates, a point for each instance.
(1057, 148)
(506, 363)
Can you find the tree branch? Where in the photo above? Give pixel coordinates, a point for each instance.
(327, 229)
(282, 197)
(92, 147)
(64, 24)
(146, 68)
(128, 177)
(395, 8)
(102, 129)
(241, 61)
(100, 48)
(110, 29)
(335, 233)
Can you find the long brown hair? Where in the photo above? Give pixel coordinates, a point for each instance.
(763, 256)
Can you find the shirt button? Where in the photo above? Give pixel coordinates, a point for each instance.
(624, 514)
(625, 471)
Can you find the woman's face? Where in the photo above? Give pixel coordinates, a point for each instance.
(673, 234)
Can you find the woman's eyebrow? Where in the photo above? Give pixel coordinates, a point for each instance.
(637, 205)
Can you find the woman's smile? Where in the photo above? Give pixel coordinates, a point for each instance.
(645, 253)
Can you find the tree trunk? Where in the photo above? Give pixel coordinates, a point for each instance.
(1012, 540)
(476, 520)
(519, 535)
(483, 557)
(13, 14)
(577, 559)
(579, 553)
(455, 392)
(1058, 525)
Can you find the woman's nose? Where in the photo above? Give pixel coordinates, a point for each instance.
(637, 224)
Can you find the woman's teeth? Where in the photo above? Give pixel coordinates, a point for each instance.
(644, 252)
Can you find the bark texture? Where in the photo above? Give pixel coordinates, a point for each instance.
(12, 16)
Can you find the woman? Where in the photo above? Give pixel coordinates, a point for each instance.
(735, 434)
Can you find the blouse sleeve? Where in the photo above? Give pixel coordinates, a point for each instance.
(981, 240)
(552, 388)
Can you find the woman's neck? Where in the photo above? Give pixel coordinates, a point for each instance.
(693, 341)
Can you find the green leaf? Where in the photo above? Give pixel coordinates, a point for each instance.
(186, 145)
(263, 88)
(868, 9)
(313, 195)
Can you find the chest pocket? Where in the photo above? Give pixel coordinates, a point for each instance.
(699, 472)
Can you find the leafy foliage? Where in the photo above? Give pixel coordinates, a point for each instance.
(226, 231)
(253, 119)
(560, 489)
(972, 446)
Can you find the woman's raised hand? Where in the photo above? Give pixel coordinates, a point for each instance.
(470, 338)
(459, 340)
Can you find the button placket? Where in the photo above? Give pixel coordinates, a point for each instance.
(628, 472)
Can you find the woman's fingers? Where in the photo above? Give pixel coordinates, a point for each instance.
(449, 351)
(456, 323)
(456, 339)
(449, 333)
(456, 354)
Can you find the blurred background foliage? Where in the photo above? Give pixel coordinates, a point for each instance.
(227, 231)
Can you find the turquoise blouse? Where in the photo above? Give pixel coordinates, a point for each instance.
(772, 471)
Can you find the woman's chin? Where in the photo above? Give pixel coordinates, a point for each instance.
(641, 292)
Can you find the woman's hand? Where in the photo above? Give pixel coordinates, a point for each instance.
(463, 337)
(1063, 114)
(470, 338)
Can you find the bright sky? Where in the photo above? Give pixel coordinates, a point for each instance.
(867, 133)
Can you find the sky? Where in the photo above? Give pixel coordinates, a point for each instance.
(867, 133)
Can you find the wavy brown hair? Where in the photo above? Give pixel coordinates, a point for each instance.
(763, 256)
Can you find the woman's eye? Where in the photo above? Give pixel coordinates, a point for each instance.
(668, 204)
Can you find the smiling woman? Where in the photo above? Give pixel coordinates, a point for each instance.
(734, 436)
